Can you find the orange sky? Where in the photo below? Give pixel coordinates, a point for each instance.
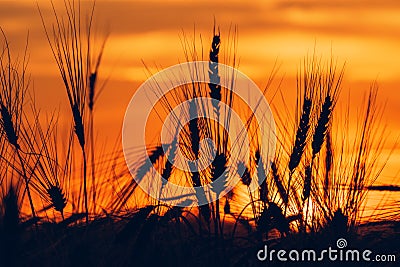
(363, 33)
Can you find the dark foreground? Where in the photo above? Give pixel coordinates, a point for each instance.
(157, 242)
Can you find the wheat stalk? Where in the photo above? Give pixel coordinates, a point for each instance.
(322, 125)
(244, 173)
(307, 182)
(218, 171)
(47, 170)
(262, 180)
(308, 83)
(310, 79)
(169, 164)
(194, 139)
(58, 199)
(93, 94)
(218, 166)
(330, 84)
(13, 86)
(301, 134)
(278, 182)
(219, 176)
(215, 79)
(8, 126)
(328, 165)
(71, 51)
(331, 87)
(245, 176)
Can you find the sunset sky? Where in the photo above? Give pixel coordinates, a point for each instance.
(363, 33)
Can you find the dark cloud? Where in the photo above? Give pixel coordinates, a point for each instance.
(139, 17)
